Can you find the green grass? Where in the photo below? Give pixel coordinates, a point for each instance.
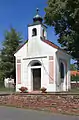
(74, 90)
(3, 89)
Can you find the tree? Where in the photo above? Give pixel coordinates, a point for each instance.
(73, 67)
(63, 15)
(75, 78)
(12, 40)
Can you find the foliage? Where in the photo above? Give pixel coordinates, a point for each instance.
(75, 78)
(43, 89)
(73, 67)
(12, 40)
(23, 89)
(63, 15)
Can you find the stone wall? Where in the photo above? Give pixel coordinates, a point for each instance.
(64, 103)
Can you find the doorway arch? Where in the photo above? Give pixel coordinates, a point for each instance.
(62, 71)
(35, 70)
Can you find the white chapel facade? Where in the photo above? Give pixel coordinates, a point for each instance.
(41, 63)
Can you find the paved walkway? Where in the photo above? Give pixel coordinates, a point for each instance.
(9, 113)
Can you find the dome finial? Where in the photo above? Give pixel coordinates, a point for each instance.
(37, 10)
(37, 18)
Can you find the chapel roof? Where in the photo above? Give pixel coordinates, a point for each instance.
(37, 19)
(51, 44)
(45, 41)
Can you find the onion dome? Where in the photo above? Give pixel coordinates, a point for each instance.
(37, 18)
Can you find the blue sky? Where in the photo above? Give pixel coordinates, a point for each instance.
(19, 13)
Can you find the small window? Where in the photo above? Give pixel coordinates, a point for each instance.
(43, 32)
(34, 32)
(61, 70)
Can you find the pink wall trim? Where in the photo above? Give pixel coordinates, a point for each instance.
(19, 73)
(18, 60)
(51, 70)
(50, 57)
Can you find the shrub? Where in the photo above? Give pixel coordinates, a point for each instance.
(23, 89)
(75, 78)
(43, 89)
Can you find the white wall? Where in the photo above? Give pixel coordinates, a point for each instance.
(39, 28)
(60, 55)
(30, 28)
(36, 49)
(27, 80)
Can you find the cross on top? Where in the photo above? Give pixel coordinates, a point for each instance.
(37, 10)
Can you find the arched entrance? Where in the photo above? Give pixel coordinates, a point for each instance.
(36, 78)
(62, 71)
(36, 74)
(62, 75)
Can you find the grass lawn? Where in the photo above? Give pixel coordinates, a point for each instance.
(74, 90)
(3, 89)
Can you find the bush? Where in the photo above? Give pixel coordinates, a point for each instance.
(43, 89)
(75, 78)
(23, 89)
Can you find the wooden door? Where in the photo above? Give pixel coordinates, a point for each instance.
(37, 79)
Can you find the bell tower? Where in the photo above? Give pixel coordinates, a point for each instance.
(37, 30)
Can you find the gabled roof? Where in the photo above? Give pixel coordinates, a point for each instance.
(54, 45)
(21, 46)
(47, 42)
(50, 43)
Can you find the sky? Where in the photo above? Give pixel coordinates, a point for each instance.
(20, 13)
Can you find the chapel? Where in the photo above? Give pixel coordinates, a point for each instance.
(41, 63)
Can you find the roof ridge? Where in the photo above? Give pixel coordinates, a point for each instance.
(50, 43)
(21, 46)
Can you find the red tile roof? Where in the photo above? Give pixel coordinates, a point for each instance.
(53, 45)
(46, 41)
(50, 43)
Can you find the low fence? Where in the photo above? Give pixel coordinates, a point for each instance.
(74, 84)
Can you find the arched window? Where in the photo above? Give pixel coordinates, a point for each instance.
(61, 70)
(34, 32)
(36, 64)
(43, 32)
